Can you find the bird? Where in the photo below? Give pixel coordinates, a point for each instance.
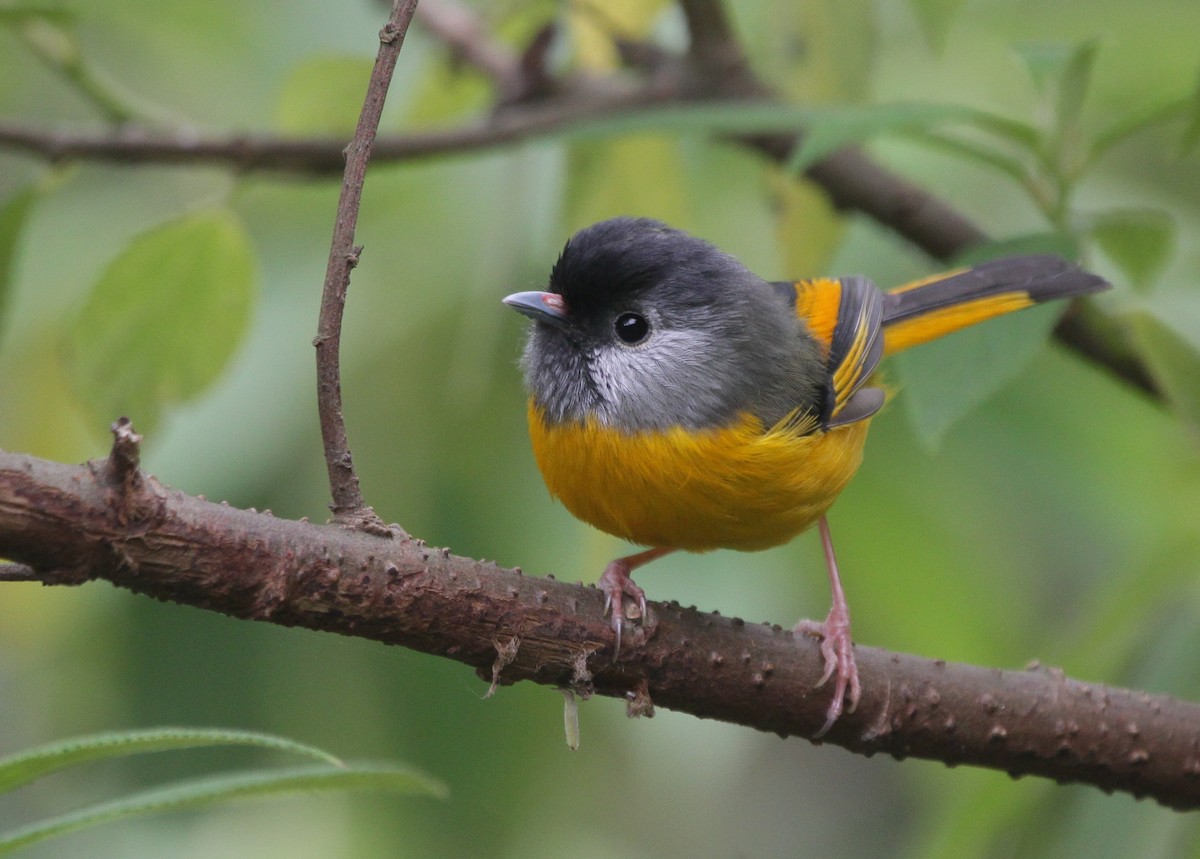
(679, 401)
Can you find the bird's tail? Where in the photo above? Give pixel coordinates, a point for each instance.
(927, 309)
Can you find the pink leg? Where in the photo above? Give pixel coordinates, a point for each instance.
(836, 646)
(617, 584)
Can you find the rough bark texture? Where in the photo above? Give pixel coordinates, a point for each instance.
(70, 524)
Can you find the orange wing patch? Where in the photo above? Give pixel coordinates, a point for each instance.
(817, 303)
(845, 315)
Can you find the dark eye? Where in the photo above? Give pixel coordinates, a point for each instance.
(632, 327)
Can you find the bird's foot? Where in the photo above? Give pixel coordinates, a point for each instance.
(838, 651)
(617, 584)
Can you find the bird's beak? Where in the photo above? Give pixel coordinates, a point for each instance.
(539, 306)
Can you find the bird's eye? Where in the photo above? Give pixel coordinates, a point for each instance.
(631, 328)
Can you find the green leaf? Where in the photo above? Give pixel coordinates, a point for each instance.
(13, 215)
(164, 319)
(323, 96)
(21, 12)
(945, 379)
(446, 91)
(840, 47)
(1045, 62)
(56, 42)
(971, 150)
(1072, 88)
(1060, 244)
(1191, 134)
(1139, 241)
(730, 116)
(202, 792)
(1062, 73)
(22, 768)
(1136, 121)
(1174, 359)
(830, 129)
(936, 18)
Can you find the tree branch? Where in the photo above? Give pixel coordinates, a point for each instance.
(17, 573)
(67, 525)
(853, 181)
(348, 505)
(70, 524)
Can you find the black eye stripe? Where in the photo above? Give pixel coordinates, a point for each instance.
(631, 328)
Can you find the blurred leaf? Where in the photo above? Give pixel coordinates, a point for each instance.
(202, 792)
(164, 319)
(733, 117)
(22, 768)
(1045, 62)
(807, 226)
(56, 41)
(12, 221)
(817, 52)
(1063, 74)
(51, 39)
(447, 91)
(936, 18)
(1191, 134)
(1076, 78)
(1135, 122)
(19, 13)
(1060, 244)
(947, 378)
(323, 96)
(826, 131)
(640, 174)
(595, 27)
(1139, 241)
(975, 151)
(1013, 131)
(729, 116)
(1174, 359)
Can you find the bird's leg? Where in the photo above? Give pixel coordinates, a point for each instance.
(617, 584)
(836, 646)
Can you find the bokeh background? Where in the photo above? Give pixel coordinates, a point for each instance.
(1057, 521)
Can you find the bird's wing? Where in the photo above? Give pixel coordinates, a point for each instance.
(844, 315)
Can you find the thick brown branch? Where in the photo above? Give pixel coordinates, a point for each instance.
(348, 505)
(61, 521)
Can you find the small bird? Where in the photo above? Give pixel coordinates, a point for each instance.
(681, 402)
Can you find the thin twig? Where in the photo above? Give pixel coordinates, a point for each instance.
(348, 505)
(853, 181)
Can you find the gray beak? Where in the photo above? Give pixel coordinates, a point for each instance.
(539, 306)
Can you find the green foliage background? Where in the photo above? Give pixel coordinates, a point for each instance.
(1056, 521)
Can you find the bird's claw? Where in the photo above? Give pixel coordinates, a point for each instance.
(837, 649)
(616, 584)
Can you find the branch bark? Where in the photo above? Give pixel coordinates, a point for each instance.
(67, 525)
(72, 524)
(348, 505)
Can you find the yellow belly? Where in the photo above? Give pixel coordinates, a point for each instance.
(736, 487)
